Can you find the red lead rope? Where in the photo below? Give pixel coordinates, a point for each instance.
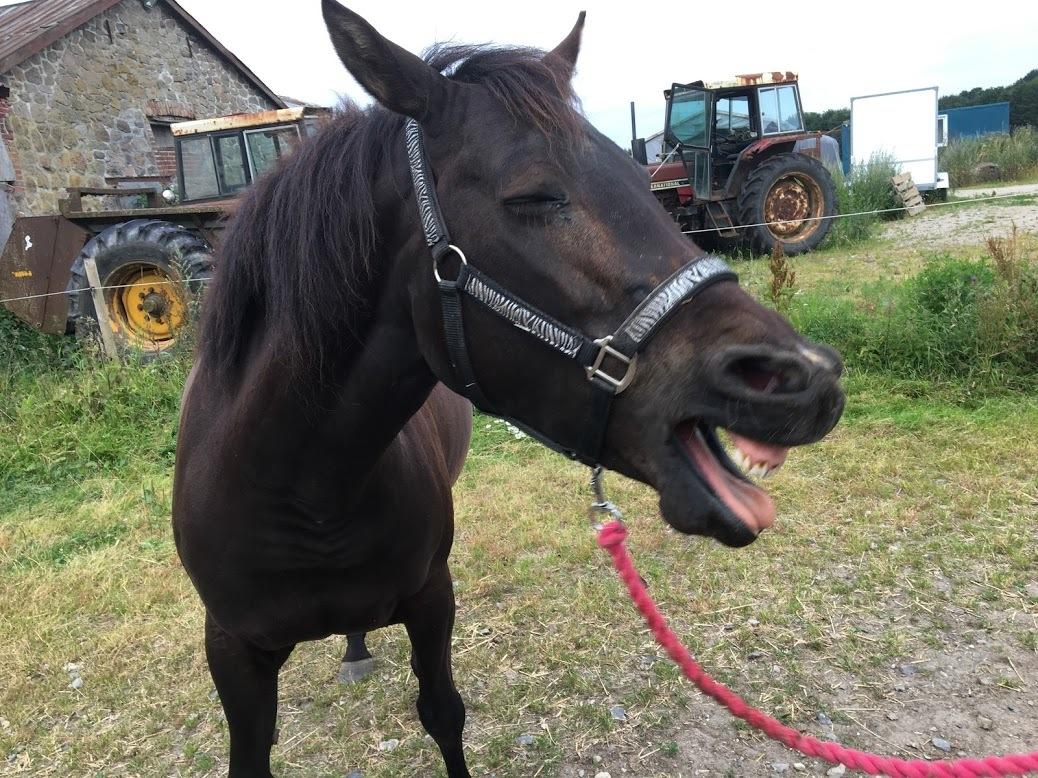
(611, 537)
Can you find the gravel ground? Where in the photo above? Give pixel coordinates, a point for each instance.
(957, 225)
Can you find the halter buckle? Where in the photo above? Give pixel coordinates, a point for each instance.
(605, 350)
(436, 261)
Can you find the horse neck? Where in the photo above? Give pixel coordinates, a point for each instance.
(336, 414)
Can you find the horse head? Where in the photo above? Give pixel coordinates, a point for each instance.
(563, 221)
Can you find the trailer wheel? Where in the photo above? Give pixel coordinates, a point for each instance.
(152, 276)
(787, 198)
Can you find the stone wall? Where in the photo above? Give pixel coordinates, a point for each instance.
(78, 110)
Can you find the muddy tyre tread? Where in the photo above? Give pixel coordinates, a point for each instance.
(750, 202)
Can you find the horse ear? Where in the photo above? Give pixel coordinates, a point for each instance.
(392, 75)
(563, 58)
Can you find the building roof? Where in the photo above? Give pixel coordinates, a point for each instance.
(28, 28)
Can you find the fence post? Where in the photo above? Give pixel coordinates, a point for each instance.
(100, 308)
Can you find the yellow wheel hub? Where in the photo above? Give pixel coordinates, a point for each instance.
(148, 305)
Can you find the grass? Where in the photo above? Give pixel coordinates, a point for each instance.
(1015, 157)
(907, 536)
(865, 189)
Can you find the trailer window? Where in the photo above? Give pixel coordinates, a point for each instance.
(267, 146)
(732, 116)
(779, 111)
(687, 117)
(199, 169)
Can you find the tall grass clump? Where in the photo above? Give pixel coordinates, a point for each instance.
(968, 322)
(1015, 157)
(865, 189)
(67, 414)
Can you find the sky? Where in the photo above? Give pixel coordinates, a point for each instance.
(633, 51)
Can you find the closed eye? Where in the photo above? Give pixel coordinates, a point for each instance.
(536, 203)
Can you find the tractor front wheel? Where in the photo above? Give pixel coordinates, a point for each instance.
(152, 275)
(787, 200)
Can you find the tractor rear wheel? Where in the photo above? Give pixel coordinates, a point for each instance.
(787, 198)
(152, 276)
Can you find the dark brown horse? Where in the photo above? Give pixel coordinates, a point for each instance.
(320, 435)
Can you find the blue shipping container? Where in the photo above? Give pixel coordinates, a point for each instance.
(977, 120)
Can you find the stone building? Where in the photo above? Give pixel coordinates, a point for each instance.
(88, 89)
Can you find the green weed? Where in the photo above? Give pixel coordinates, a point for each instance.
(1003, 157)
(865, 189)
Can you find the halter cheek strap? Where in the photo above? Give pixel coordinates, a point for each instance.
(610, 362)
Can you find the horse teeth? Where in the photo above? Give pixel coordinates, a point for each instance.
(741, 460)
(759, 470)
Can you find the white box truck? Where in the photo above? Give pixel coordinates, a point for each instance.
(904, 125)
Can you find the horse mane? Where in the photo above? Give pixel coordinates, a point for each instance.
(297, 260)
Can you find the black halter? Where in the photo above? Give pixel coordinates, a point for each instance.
(610, 362)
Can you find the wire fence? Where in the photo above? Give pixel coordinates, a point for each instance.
(107, 288)
(877, 212)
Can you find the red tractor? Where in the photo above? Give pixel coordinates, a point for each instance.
(736, 155)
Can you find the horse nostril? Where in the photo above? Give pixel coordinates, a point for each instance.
(769, 375)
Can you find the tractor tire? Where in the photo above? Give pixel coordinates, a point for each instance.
(152, 274)
(787, 197)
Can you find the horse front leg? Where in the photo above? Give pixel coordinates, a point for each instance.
(246, 679)
(357, 664)
(429, 619)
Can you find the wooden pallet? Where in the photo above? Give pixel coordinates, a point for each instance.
(905, 189)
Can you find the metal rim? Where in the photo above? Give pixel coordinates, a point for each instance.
(147, 305)
(793, 207)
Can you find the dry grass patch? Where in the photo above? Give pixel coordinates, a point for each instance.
(895, 540)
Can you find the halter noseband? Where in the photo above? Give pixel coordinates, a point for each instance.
(622, 347)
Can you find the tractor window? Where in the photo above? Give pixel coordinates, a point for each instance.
(731, 116)
(230, 163)
(687, 117)
(779, 111)
(267, 146)
(789, 110)
(199, 169)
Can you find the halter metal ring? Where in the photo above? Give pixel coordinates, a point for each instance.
(436, 262)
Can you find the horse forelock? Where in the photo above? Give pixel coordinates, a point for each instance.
(298, 259)
(522, 81)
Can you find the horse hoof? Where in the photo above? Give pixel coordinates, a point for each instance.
(355, 672)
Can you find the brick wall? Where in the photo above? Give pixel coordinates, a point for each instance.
(166, 163)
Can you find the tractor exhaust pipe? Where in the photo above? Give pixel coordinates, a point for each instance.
(637, 144)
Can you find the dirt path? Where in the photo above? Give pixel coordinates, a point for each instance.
(981, 191)
(944, 226)
(969, 697)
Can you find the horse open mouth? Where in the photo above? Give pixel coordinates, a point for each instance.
(744, 509)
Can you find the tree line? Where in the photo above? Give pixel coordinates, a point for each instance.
(1021, 95)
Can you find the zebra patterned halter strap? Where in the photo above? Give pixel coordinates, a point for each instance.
(610, 362)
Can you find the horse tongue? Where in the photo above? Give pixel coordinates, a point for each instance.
(750, 505)
(771, 455)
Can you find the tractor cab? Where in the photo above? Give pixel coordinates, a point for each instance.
(218, 158)
(736, 154)
(710, 127)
